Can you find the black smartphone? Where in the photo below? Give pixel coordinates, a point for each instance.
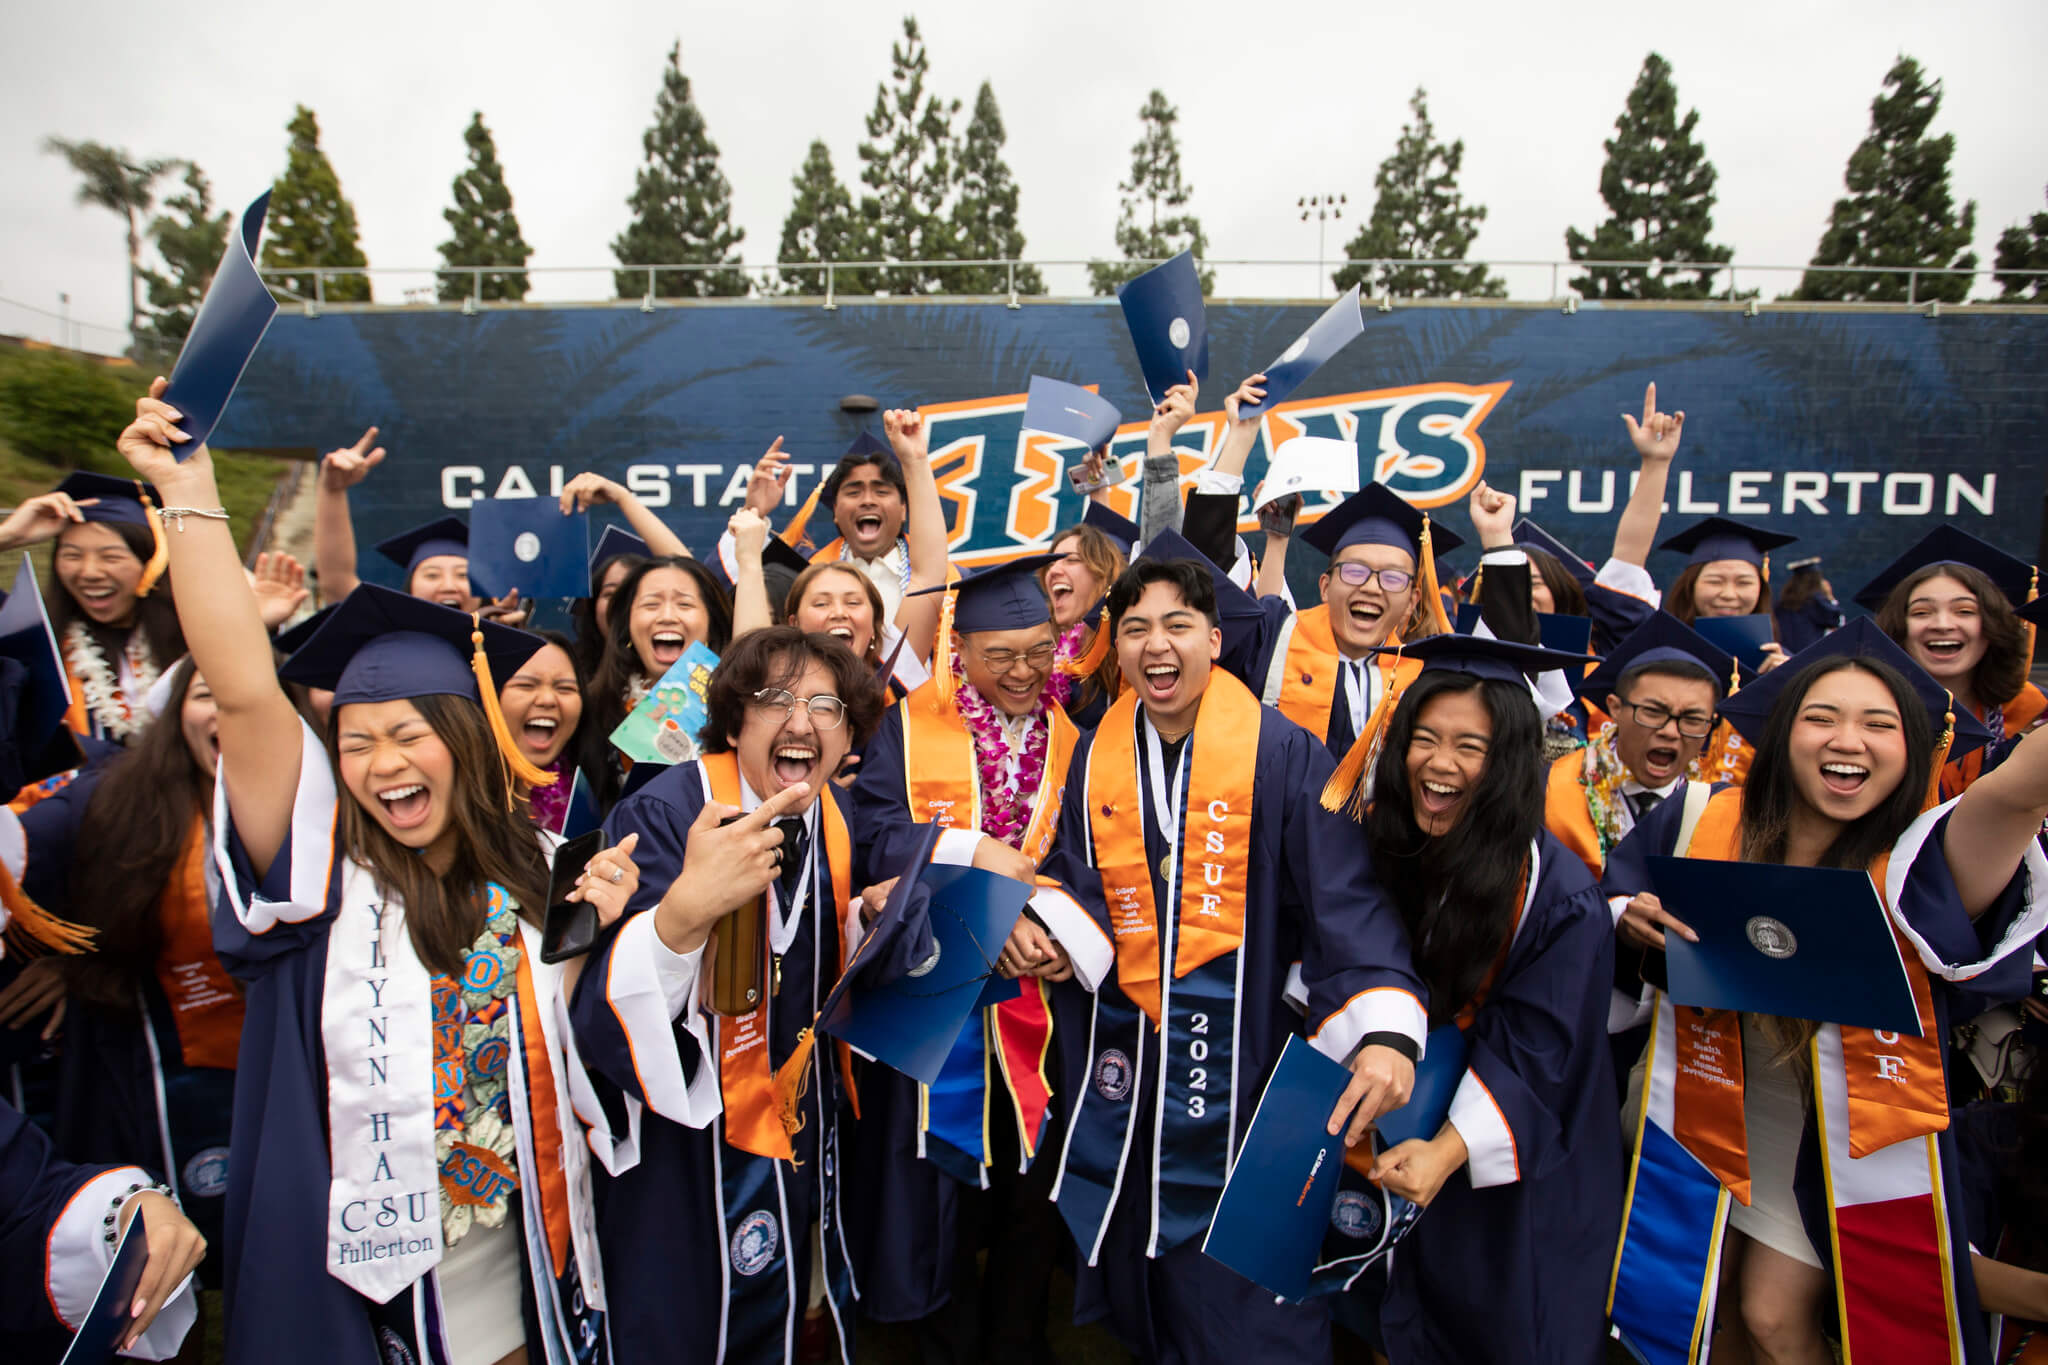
(570, 929)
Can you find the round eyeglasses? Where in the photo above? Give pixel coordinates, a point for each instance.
(1358, 575)
(827, 711)
(1651, 716)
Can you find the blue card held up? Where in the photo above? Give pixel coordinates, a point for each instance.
(110, 1316)
(1163, 309)
(231, 321)
(1340, 324)
(1802, 942)
(1071, 411)
(1742, 636)
(1566, 634)
(526, 543)
(1270, 1223)
(582, 815)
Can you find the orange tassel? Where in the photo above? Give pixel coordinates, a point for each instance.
(1346, 787)
(34, 931)
(1478, 581)
(2033, 593)
(518, 768)
(1932, 796)
(793, 534)
(942, 651)
(160, 552)
(1430, 589)
(792, 1079)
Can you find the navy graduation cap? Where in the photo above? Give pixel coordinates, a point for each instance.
(1232, 602)
(293, 638)
(441, 536)
(2034, 613)
(1662, 638)
(1530, 536)
(1063, 409)
(231, 321)
(1484, 657)
(124, 502)
(1376, 515)
(777, 551)
(999, 597)
(1716, 538)
(381, 645)
(866, 443)
(1111, 523)
(1947, 544)
(1749, 709)
(1163, 309)
(614, 542)
(26, 637)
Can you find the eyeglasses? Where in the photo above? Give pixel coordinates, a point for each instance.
(827, 712)
(1003, 660)
(1651, 716)
(1358, 575)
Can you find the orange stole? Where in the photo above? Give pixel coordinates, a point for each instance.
(939, 769)
(1726, 757)
(1565, 813)
(1309, 686)
(552, 1179)
(1708, 1099)
(206, 1005)
(1211, 914)
(760, 1105)
(2019, 713)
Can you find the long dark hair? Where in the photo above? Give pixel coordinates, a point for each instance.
(777, 657)
(1802, 585)
(134, 830)
(444, 913)
(2002, 672)
(589, 650)
(1770, 795)
(1457, 892)
(156, 615)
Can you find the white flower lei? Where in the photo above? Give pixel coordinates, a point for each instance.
(118, 718)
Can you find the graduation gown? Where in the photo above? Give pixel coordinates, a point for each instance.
(55, 1248)
(912, 1178)
(1147, 1146)
(287, 1228)
(2014, 718)
(1510, 1261)
(708, 1247)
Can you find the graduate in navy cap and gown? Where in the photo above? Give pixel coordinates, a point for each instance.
(110, 602)
(1806, 608)
(721, 1134)
(1090, 555)
(1191, 833)
(1522, 1185)
(405, 1180)
(982, 751)
(1953, 602)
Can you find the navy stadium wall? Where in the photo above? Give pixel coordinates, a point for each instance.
(1855, 430)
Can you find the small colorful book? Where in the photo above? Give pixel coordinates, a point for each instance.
(664, 727)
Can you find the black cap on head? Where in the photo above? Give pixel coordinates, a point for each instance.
(381, 645)
(120, 500)
(1749, 709)
(1947, 544)
(1529, 535)
(1713, 539)
(1485, 657)
(614, 542)
(1376, 515)
(1232, 602)
(293, 638)
(1662, 638)
(1113, 524)
(999, 597)
(441, 536)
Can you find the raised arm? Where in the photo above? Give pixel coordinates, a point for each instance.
(259, 729)
(334, 532)
(925, 523)
(1276, 519)
(1995, 822)
(1159, 500)
(751, 609)
(1240, 434)
(1656, 441)
(587, 490)
(39, 519)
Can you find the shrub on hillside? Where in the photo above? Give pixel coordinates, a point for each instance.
(64, 410)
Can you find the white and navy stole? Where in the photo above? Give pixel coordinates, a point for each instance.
(764, 1302)
(1881, 1104)
(384, 1193)
(1202, 812)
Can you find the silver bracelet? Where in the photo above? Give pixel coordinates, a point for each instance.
(175, 516)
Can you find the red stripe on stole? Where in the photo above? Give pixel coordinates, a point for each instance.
(1893, 1306)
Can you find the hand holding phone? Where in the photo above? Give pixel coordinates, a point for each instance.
(588, 890)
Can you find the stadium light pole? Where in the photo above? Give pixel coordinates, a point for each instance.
(1322, 208)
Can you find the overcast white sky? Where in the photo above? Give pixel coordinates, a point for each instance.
(1278, 99)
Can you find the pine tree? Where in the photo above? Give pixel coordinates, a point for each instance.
(486, 230)
(112, 179)
(681, 202)
(985, 214)
(2024, 247)
(1142, 234)
(1659, 188)
(820, 226)
(310, 222)
(191, 246)
(1419, 214)
(907, 167)
(1898, 211)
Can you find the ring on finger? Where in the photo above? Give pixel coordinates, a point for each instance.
(618, 874)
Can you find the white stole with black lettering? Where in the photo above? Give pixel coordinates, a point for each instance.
(377, 1029)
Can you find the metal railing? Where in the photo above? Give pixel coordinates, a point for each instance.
(791, 280)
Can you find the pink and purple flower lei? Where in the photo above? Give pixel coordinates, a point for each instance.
(1006, 797)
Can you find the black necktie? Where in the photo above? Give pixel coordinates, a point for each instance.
(1645, 802)
(796, 858)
